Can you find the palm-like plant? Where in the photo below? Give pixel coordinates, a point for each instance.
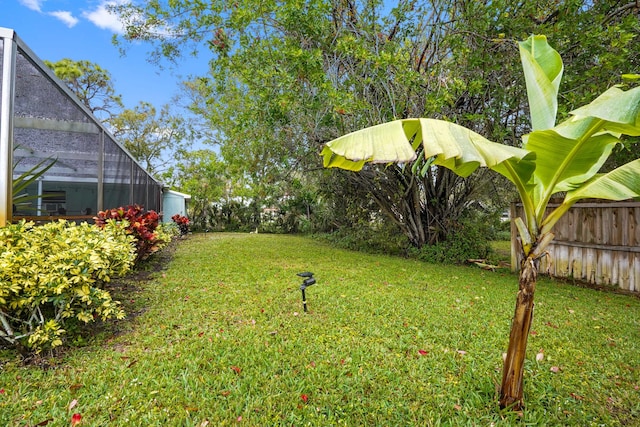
(20, 197)
(554, 158)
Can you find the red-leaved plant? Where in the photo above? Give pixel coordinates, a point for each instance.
(142, 225)
(182, 222)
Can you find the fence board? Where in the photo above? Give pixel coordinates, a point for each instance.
(596, 242)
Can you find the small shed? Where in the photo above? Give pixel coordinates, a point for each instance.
(174, 202)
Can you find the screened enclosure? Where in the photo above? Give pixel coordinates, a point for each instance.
(42, 120)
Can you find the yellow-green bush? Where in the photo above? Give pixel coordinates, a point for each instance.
(52, 273)
(166, 232)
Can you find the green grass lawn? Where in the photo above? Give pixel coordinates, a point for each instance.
(220, 338)
(502, 249)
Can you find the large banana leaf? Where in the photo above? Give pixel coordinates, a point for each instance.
(565, 163)
(463, 151)
(384, 143)
(620, 184)
(543, 68)
(451, 145)
(620, 110)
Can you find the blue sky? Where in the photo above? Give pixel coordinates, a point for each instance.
(82, 30)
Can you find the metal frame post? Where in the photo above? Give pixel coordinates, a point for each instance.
(6, 130)
(101, 160)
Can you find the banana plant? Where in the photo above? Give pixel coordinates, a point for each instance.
(554, 159)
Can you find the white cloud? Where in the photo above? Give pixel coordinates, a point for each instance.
(65, 16)
(102, 18)
(33, 4)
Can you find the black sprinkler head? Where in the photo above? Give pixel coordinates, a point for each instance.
(308, 282)
(305, 274)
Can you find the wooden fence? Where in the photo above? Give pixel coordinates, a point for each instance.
(596, 242)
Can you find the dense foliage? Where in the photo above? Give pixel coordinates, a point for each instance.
(202, 176)
(289, 75)
(141, 224)
(51, 275)
(470, 240)
(182, 222)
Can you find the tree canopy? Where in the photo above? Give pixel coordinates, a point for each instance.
(288, 75)
(92, 84)
(151, 136)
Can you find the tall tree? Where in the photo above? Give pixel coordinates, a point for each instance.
(92, 84)
(152, 137)
(201, 174)
(562, 158)
(288, 75)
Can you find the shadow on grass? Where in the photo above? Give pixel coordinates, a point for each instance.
(125, 290)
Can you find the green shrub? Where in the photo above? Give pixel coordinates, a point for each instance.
(166, 231)
(52, 274)
(470, 240)
(382, 238)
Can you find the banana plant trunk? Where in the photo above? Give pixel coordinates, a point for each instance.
(511, 394)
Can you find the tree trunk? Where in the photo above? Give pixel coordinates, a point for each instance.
(511, 394)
